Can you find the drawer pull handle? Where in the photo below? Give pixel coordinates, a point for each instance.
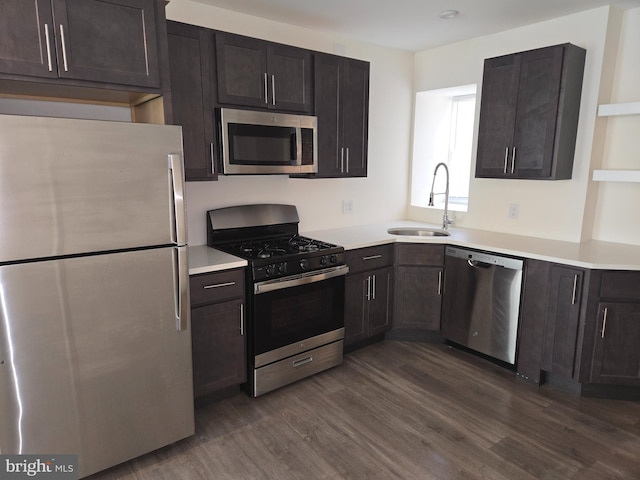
(440, 282)
(302, 361)
(372, 257)
(218, 285)
(575, 285)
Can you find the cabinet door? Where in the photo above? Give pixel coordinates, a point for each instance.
(328, 72)
(289, 78)
(242, 70)
(616, 356)
(109, 41)
(379, 304)
(218, 346)
(342, 106)
(355, 308)
(537, 112)
(497, 116)
(563, 315)
(190, 53)
(27, 38)
(418, 298)
(355, 117)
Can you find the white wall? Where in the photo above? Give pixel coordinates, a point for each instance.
(379, 197)
(548, 209)
(617, 212)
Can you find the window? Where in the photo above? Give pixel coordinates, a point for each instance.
(443, 132)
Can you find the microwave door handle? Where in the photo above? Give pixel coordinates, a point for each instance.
(293, 144)
(296, 147)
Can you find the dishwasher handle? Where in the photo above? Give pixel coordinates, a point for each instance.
(478, 264)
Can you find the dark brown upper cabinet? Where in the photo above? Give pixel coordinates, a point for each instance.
(342, 107)
(103, 41)
(260, 74)
(529, 114)
(192, 90)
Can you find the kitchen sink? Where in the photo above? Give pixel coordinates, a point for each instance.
(418, 232)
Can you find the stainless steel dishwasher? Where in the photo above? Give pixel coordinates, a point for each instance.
(481, 301)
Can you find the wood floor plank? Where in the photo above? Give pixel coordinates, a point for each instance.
(404, 410)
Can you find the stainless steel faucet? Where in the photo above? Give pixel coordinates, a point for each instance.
(446, 221)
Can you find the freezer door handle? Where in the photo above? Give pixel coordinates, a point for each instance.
(182, 289)
(177, 182)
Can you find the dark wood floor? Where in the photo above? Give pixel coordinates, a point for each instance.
(407, 411)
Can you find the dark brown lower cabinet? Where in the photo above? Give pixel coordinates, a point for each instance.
(616, 352)
(560, 347)
(368, 293)
(418, 291)
(591, 333)
(218, 347)
(218, 331)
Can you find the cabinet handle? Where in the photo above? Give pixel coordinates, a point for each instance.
(273, 89)
(506, 159)
(513, 159)
(64, 49)
(372, 257)
(373, 288)
(302, 361)
(575, 285)
(604, 322)
(347, 159)
(47, 39)
(440, 282)
(266, 90)
(213, 158)
(369, 287)
(341, 159)
(242, 319)
(218, 285)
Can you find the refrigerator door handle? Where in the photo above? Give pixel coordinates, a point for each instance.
(177, 183)
(182, 288)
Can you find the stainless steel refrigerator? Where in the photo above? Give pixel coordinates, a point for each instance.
(95, 341)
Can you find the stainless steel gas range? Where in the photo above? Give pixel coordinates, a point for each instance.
(295, 293)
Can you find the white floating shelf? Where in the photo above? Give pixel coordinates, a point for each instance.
(629, 108)
(616, 176)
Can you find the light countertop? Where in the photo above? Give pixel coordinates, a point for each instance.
(593, 254)
(203, 259)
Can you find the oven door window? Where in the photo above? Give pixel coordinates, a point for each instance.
(262, 145)
(289, 315)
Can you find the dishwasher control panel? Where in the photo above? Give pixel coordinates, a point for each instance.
(485, 258)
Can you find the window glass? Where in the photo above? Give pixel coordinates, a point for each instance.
(443, 132)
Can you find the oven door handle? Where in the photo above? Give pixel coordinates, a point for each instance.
(302, 279)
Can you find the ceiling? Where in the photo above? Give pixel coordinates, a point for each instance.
(411, 24)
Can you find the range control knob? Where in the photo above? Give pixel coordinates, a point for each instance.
(333, 258)
(281, 268)
(304, 264)
(270, 270)
(324, 260)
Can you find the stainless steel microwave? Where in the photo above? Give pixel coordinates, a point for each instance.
(256, 143)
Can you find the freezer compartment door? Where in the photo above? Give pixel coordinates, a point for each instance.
(94, 359)
(77, 186)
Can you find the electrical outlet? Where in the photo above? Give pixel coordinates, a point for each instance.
(347, 206)
(514, 210)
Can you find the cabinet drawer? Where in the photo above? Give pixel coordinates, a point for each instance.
(416, 254)
(369, 258)
(620, 285)
(216, 287)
